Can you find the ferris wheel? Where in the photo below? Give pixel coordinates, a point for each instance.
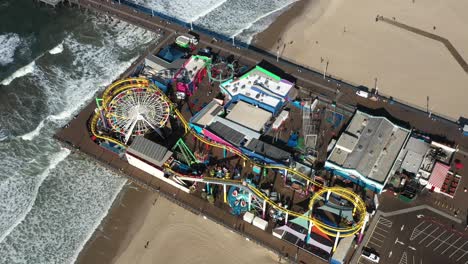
(136, 110)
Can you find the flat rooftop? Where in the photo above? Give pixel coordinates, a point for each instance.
(415, 151)
(193, 66)
(249, 116)
(207, 114)
(149, 151)
(260, 85)
(370, 145)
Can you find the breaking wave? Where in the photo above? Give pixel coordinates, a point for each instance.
(23, 71)
(8, 44)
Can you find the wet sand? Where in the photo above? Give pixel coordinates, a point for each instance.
(143, 227)
(358, 49)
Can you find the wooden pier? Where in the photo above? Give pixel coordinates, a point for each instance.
(76, 134)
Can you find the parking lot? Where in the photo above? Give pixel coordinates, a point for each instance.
(421, 237)
(378, 236)
(442, 240)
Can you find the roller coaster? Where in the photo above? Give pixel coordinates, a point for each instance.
(334, 231)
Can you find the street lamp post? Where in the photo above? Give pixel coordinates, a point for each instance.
(325, 69)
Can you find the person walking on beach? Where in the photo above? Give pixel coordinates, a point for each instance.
(147, 243)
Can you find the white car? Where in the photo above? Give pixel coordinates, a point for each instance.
(370, 254)
(362, 94)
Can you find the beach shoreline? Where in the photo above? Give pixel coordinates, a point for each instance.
(116, 229)
(269, 38)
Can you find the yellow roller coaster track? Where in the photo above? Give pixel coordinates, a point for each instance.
(359, 205)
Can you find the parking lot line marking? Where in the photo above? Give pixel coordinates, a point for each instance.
(430, 234)
(458, 248)
(403, 259)
(450, 245)
(413, 259)
(443, 242)
(378, 234)
(416, 232)
(376, 239)
(461, 256)
(385, 222)
(386, 231)
(373, 243)
(437, 238)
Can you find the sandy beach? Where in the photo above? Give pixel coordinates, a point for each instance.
(405, 65)
(143, 227)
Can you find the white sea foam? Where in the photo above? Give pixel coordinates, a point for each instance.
(96, 224)
(207, 10)
(23, 71)
(250, 24)
(230, 18)
(75, 196)
(31, 135)
(8, 44)
(57, 49)
(185, 10)
(54, 161)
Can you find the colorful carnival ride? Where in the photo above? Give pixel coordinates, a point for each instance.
(132, 107)
(129, 101)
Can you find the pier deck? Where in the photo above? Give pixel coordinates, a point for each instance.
(76, 134)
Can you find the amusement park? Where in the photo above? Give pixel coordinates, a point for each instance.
(311, 167)
(238, 136)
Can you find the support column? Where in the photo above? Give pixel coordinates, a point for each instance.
(336, 241)
(307, 187)
(207, 188)
(225, 197)
(361, 234)
(264, 209)
(285, 175)
(224, 152)
(286, 218)
(309, 231)
(250, 201)
(310, 227)
(328, 196)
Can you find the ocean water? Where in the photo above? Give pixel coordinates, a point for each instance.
(52, 63)
(241, 19)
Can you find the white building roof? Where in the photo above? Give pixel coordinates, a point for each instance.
(369, 146)
(193, 65)
(249, 116)
(208, 113)
(260, 86)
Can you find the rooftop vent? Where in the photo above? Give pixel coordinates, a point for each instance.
(360, 147)
(278, 87)
(369, 131)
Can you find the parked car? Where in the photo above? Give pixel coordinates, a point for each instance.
(370, 254)
(362, 94)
